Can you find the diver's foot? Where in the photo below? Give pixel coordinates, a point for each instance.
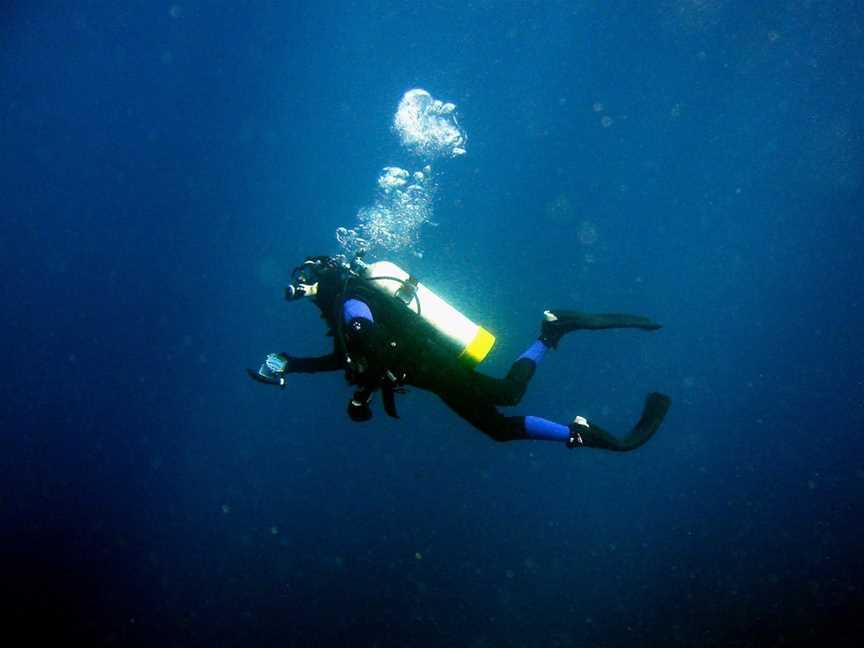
(558, 322)
(587, 435)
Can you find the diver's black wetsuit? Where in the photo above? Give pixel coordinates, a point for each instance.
(472, 395)
(381, 354)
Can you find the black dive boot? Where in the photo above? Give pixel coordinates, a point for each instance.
(558, 322)
(588, 435)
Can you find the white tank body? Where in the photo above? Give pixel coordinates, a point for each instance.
(473, 340)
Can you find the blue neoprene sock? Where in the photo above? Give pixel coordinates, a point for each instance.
(543, 430)
(535, 352)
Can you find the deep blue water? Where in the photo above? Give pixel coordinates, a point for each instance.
(165, 165)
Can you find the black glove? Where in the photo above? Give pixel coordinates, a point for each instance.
(358, 407)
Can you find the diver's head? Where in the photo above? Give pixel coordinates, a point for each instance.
(299, 289)
(306, 279)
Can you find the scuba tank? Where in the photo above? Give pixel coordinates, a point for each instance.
(470, 341)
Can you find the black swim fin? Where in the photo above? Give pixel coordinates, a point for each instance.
(558, 322)
(589, 435)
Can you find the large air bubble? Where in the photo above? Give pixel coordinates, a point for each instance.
(428, 127)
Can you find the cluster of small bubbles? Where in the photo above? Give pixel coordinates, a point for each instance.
(350, 241)
(428, 127)
(394, 221)
(605, 121)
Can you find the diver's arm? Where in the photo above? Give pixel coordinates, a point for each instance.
(358, 317)
(276, 365)
(330, 362)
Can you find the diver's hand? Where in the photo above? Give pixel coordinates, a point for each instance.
(276, 364)
(272, 370)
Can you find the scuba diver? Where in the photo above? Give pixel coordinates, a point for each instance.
(391, 331)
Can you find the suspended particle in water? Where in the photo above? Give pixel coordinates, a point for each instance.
(587, 233)
(606, 121)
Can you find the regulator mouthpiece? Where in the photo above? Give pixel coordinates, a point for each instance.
(293, 292)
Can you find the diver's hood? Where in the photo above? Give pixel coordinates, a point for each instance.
(307, 277)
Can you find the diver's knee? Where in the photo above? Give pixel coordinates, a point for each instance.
(513, 395)
(510, 400)
(509, 428)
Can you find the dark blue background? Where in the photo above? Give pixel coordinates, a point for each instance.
(164, 166)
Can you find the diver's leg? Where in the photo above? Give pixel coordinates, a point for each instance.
(579, 434)
(558, 322)
(486, 418)
(509, 390)
(521, 372)
(445, 375)
(555, 325)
